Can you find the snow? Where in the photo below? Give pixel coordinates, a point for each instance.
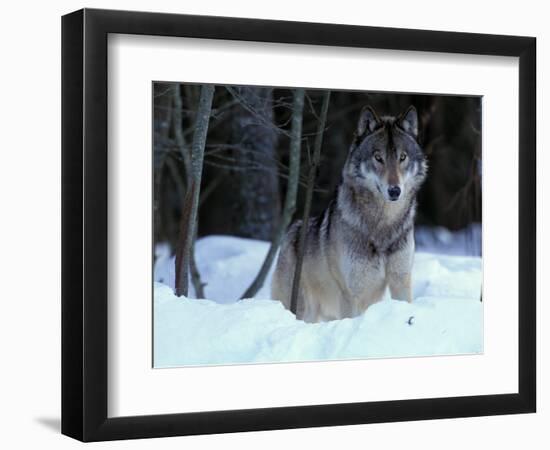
(445, 318)
(440, 240)
(226, 264)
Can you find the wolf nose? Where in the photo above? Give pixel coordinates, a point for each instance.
(394, 192)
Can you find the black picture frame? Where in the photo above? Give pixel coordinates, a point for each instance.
(84, 224)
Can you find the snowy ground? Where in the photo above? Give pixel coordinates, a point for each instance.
(446, 316)
(465, 242)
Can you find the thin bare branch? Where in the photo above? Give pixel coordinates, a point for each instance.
(307, 206)
(290, 198)
(261, 119)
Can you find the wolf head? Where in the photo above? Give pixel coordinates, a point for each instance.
(385, 157)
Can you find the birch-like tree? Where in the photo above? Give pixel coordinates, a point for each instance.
(184, 180)
(191, 202)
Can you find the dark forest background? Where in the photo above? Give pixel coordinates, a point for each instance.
(246, 156)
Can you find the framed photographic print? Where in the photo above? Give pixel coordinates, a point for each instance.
(273, 224)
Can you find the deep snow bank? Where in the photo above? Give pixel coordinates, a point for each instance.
(447, 314)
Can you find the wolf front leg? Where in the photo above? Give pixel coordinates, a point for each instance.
(399, 270)
(401, 286)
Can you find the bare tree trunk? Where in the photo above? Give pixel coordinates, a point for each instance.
(189, 214)
(198, 285)
(307, 206)
(256, 193)
(291, 192)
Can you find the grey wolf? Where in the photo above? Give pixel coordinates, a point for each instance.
(363, 242)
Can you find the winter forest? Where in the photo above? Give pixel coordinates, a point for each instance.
(234, 166)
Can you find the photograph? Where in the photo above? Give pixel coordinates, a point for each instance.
(297, 224)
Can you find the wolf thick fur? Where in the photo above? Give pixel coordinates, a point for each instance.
(363, 242)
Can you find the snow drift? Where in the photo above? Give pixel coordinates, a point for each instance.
(446, 316)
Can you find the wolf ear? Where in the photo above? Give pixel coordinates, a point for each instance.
(368, 121)
(409, 121)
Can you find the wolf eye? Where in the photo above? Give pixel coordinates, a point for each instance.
(378, 158)
(403, 157)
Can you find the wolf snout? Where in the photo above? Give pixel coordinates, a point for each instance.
(394, 192)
